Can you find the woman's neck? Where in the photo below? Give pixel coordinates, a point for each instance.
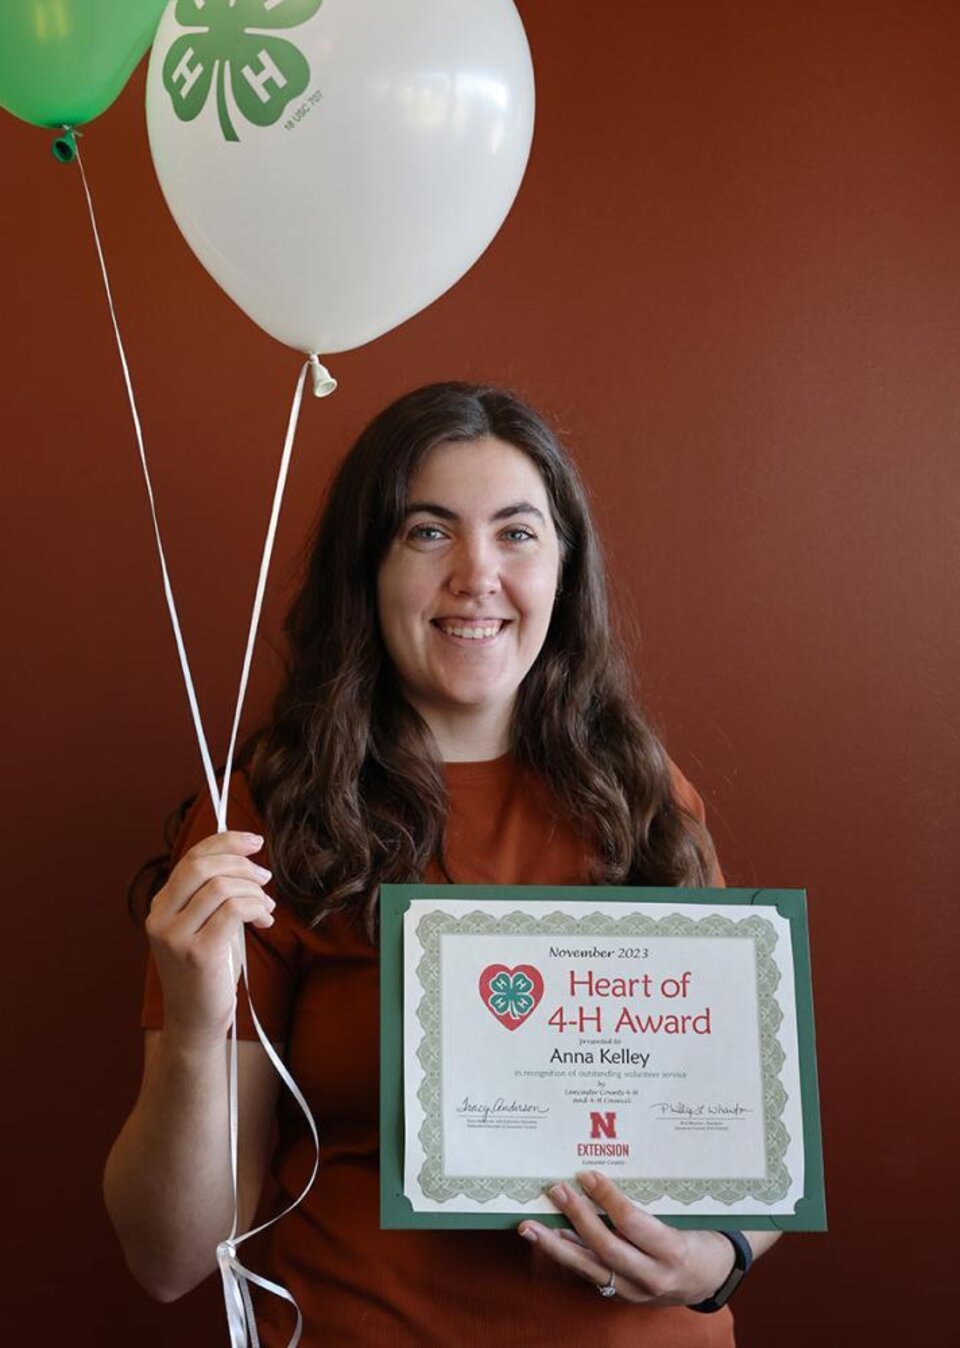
(473, 737)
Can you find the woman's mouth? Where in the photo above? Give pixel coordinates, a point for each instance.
(475, 629)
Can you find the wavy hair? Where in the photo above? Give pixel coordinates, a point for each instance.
(346, 774)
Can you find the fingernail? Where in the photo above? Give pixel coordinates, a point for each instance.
(263, 873)
(588, 1181)
(559, 1193)
(271, 903)
(529, 1233)
(254, 838)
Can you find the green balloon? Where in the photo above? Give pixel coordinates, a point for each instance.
(63, 62)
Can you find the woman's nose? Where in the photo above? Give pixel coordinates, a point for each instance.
(475, 569)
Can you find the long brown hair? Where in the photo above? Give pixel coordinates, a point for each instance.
(346, 774)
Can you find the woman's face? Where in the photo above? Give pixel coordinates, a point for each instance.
(466, 589)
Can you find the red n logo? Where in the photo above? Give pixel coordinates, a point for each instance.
(603, 1125)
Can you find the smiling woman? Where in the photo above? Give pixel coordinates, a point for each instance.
(456, 707)
(389, 679)
(466, 590)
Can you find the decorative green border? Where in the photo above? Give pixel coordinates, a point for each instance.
(396, 1209)
(769, 1187)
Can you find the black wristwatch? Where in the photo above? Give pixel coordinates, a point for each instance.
(742, 1259)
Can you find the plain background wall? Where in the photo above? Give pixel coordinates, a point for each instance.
(732, 277)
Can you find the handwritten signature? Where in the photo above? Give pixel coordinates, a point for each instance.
(680, 1109)
(483, 1109)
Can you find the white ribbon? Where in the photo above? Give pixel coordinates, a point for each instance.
(221, 804)
(235, 1277)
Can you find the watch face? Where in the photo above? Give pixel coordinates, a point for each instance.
(726, 1291)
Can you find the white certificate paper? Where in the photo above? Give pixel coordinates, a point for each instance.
(655, 1042)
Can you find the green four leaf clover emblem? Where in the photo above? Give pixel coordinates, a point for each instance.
(510, 995)
(232, 41)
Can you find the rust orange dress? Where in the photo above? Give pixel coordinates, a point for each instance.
(317, 992)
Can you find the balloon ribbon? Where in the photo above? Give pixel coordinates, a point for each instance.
(235, 1277)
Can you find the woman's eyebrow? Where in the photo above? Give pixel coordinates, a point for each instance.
(429, 508)
(445, 513)
(519, 508)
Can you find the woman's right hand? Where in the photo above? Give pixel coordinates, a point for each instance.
(195, 923)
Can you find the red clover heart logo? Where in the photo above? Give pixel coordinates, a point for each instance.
(511, 995)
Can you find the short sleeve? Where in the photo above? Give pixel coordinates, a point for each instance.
(273, 955)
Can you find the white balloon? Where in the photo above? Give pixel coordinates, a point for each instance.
(336, 165)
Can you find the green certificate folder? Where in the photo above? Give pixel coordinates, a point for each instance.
(661, 1036)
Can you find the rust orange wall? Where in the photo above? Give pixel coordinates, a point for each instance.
(732, 275)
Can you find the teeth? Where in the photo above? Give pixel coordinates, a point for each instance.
(471, 633)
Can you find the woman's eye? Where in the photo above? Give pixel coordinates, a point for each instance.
(425, 533)
(518, 534)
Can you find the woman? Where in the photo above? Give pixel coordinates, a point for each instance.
(455, 708)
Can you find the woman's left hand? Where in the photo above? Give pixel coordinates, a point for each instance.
(642, 1258)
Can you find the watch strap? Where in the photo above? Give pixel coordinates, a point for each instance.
(742, 1259)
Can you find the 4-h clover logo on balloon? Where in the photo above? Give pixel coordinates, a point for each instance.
(511, 995)
(228, 43)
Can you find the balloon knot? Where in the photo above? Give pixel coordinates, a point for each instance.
(64, 148)
(323, 381)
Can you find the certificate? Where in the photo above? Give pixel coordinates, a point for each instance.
(661, 1036)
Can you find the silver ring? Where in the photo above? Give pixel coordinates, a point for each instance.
(608, 1289)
